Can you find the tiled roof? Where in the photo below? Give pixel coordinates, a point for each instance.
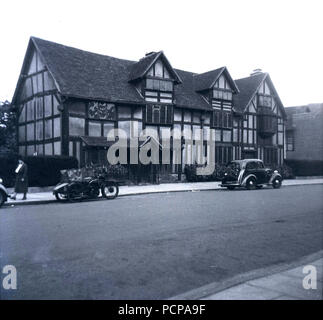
(96, 141)
(93, 76)
(87, 75)
(206, 80)
(248, 87)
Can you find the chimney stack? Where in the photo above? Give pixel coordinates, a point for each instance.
(255, 72)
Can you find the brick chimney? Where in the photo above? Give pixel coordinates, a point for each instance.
(256, 72)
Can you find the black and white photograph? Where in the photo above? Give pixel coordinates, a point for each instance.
(161, 151)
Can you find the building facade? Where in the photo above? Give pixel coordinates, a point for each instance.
(304, 137)
(69, 99)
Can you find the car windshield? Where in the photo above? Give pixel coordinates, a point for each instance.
(233, 165)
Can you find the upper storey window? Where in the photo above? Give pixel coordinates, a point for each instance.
(159, 86)
(222, 89)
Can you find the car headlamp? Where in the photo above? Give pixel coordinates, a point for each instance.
(1, 180)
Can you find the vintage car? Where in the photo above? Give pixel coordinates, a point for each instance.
(250, 174)
(3, 193)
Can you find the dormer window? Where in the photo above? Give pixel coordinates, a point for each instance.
(158, 85)
(222, 89)
(159, 91)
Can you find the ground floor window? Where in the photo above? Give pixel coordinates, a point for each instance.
(223, 154)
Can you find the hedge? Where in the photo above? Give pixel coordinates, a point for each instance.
(306, 167)
(116, 172)
(285, 171)
(218, 174)
(191, 176)
(42, 170)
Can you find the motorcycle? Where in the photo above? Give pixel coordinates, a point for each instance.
(88, 188)
(4, 195)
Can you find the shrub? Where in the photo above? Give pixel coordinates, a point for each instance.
(42, 170)
(191, 175)
(285, 171)
(8, 164)
(117, 172)
(45, 170)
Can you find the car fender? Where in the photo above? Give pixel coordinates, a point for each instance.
(246, 178)
(60, 186)
(275, 175)
(2, 188)
(240, 176)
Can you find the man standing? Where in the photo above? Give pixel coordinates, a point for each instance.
(21, 185)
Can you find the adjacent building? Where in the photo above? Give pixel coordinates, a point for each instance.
(68, 100)
(304, 136)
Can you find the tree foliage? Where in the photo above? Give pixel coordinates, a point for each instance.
(8, 142)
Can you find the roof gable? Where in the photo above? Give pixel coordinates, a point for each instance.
(249, 87)
(142, 67)
(206, 81)
(32, 66)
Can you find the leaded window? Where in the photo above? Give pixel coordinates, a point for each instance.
(159, 114)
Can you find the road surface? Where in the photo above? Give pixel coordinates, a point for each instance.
(155, 246)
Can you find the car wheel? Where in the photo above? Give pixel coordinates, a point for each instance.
(277, 183)
(2, 198)
(60, 196)
(110, 191)
(251, 184)
(230, 188)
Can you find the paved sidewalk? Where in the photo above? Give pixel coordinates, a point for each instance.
(287, 285)
(47, 197)
(283, 281)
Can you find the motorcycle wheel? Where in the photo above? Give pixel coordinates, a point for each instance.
(277, 183)
(60, 196)
(110, 191)
(2, 197)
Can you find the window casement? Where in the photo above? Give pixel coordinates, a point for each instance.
(223, 154)
(221, 119)
(159, 90)
(290, 142)
(265, 100)
(222, 94)
(159, 114)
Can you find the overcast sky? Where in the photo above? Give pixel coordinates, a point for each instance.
(284, 38)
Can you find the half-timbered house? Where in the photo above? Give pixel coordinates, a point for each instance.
(68, 100)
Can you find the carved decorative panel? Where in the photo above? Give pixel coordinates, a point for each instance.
(102, 110)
